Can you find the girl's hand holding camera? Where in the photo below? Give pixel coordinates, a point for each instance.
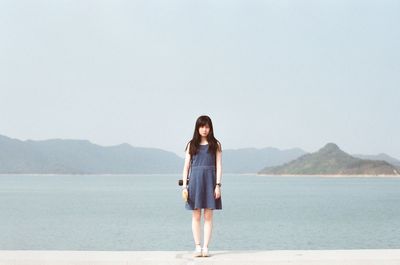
(185, 194)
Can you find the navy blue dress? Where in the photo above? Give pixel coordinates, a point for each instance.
(202, 181)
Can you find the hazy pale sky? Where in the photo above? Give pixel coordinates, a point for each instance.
(269, 73)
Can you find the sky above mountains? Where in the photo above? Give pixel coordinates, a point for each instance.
(268, 73)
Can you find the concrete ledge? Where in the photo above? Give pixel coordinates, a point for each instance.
(265, 257)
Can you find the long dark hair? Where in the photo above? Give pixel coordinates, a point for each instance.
(195, 142)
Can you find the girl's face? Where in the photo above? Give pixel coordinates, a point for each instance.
(204, 130)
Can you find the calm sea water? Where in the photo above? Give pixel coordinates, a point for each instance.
(146, 212)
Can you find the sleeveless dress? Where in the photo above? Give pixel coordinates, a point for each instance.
(202, 181)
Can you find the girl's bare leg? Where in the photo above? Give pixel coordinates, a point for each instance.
(208, 223)
(196, 218)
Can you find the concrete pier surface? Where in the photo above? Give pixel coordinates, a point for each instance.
(231, 257)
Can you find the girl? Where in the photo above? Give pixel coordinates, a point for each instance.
(204, 159)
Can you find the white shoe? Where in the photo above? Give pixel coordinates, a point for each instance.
(205, 252)
(197, 251)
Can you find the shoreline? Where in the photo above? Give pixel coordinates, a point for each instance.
(331, 175)
(179, 175)
(231, 257)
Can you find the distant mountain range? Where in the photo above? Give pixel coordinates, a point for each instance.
(382, 156)
(331, 160)
(250, 160)
(63, 156)
(83, 157)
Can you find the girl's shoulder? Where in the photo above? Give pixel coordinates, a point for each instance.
(219, 146)
(187, 149)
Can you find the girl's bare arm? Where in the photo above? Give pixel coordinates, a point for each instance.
(219, 163)
(186, 167)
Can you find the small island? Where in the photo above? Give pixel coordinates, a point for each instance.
(331, 160)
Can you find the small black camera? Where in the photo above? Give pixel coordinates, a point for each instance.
(180, 182)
